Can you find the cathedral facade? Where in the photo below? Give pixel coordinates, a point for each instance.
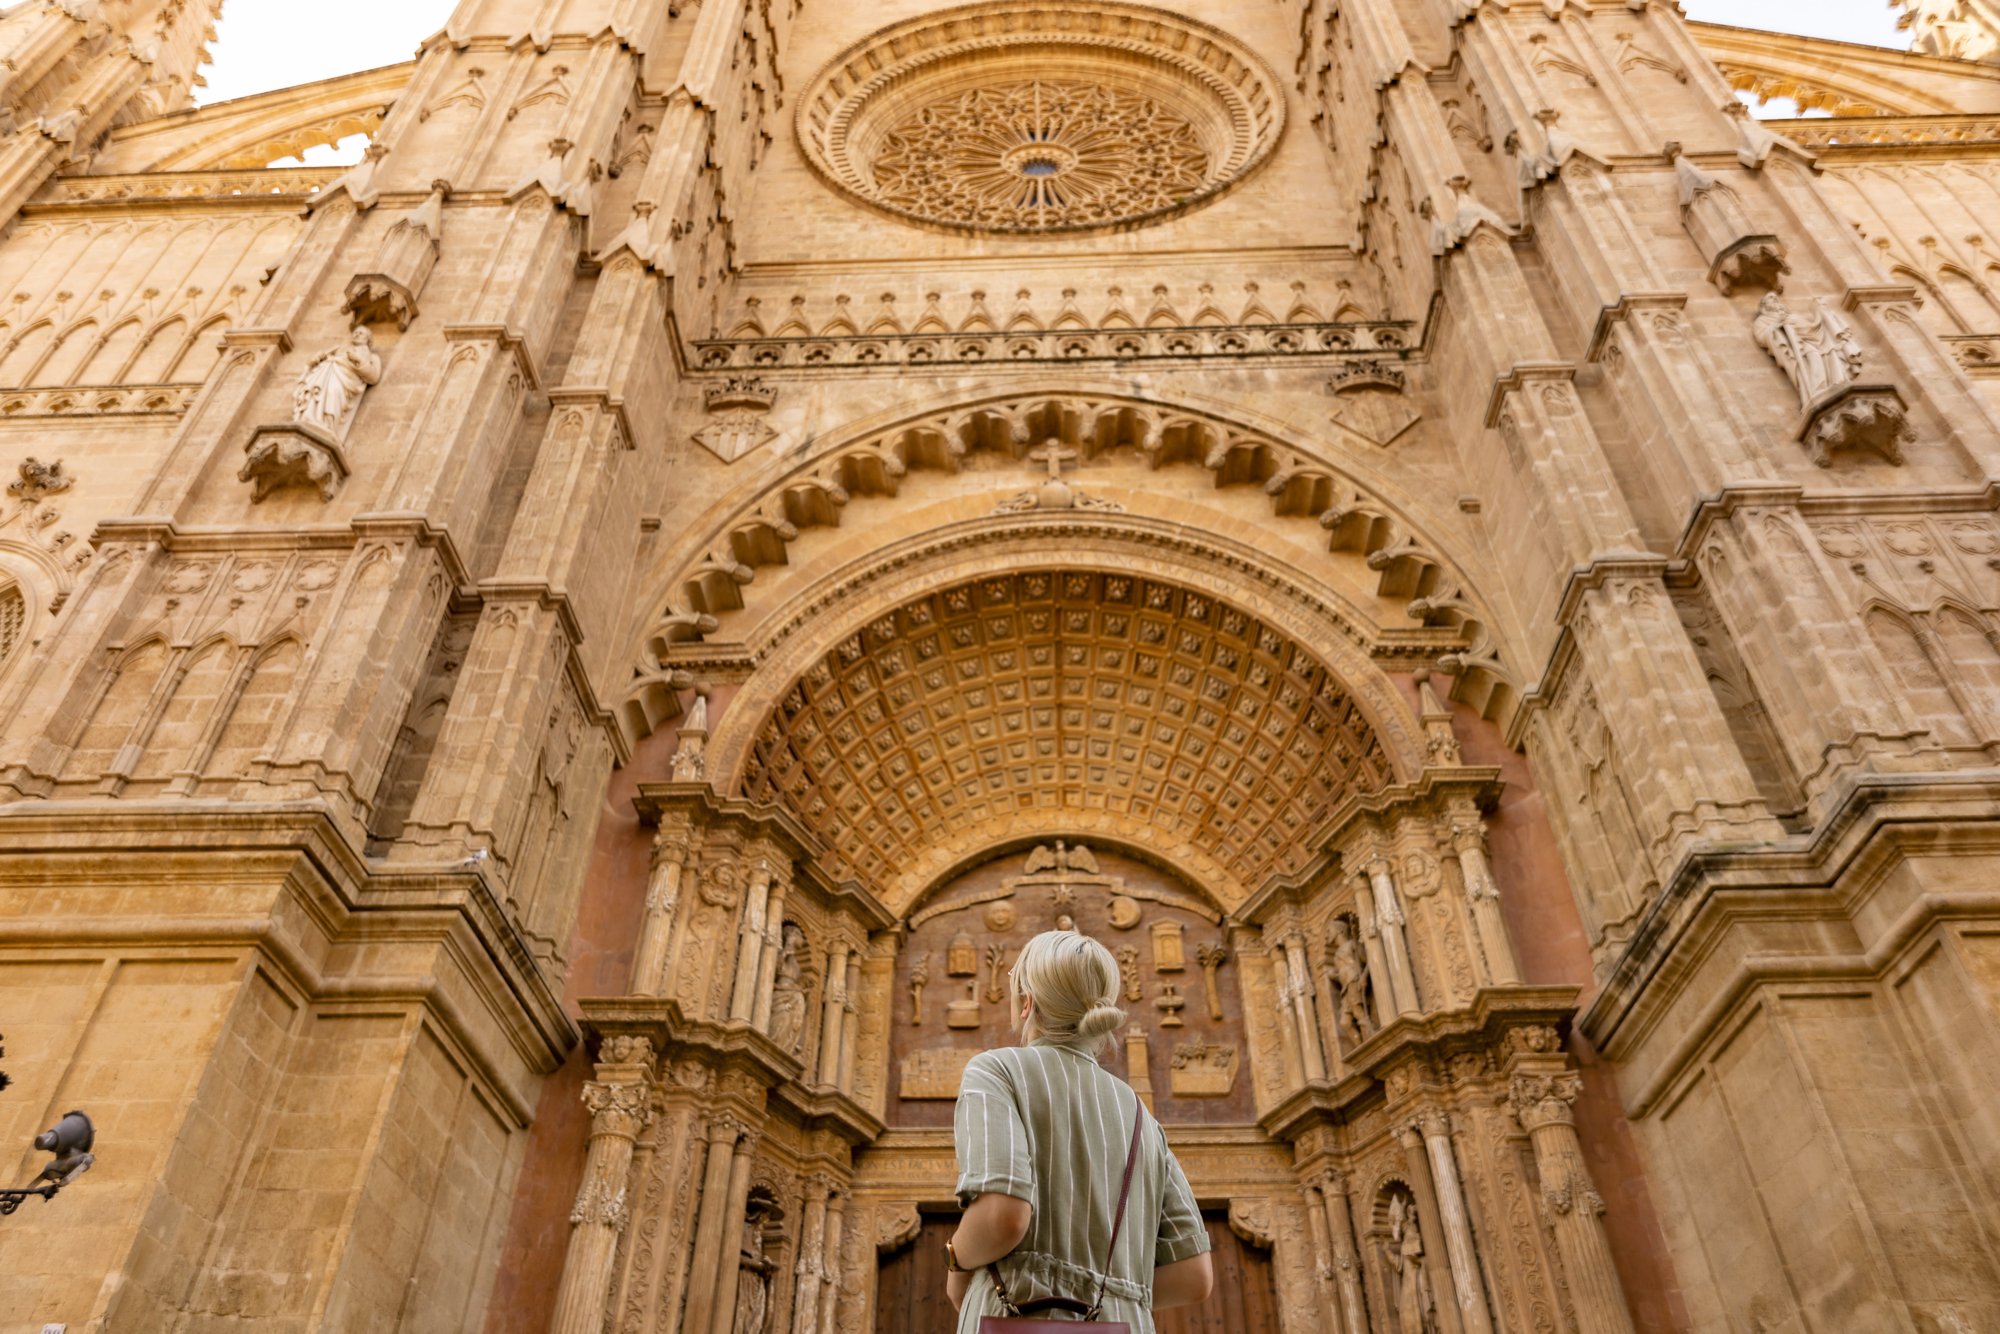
(545, 676)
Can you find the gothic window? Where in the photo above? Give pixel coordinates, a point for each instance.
(13, 620)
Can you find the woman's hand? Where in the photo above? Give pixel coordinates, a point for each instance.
(956, 1286)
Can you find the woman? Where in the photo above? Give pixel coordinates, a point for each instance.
(1042, 1134)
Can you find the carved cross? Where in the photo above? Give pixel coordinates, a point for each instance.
(1055, 455)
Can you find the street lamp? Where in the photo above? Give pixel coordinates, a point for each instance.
(69, 1140)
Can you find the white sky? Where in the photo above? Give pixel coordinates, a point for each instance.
(266, 44)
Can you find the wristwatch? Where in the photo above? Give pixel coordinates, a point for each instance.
(951, 1263)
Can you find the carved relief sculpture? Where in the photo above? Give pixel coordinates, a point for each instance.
(1170, 1003)
(920, 976)
(962, 960)
(309, 451)
(1169, 953)
(996, 959)
(1128, 972)
(964, 1012)
(788, 995)
(1415, 1300)
(1349, 965)
(1819, 354)
(1211, 957)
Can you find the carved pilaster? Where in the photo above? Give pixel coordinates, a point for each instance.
(656, 928)
(1391, 925)
(1466, 1286)
(1482, 897)
(618, 1112)
(1543, 1104)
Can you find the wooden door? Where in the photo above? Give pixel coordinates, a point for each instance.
(1245, 1300)
(910, 1297)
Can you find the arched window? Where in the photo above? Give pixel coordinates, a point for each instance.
(13, 620)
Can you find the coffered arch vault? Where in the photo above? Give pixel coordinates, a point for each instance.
(1210, 712)
(1347, 531)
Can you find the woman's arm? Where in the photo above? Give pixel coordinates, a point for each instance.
(990, 1229)
(1183, 1283)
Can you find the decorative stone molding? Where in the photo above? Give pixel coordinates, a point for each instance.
(279, 187)
(1313, 343)
(620, 1109)
(39, 480)
(1033, 116)
(1739, 254)
(402, 266)
(125, 400)
(1539, 1100)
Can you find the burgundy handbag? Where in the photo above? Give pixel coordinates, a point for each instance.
(1023, 1319)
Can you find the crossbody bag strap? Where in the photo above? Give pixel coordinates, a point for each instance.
(1124, 1193)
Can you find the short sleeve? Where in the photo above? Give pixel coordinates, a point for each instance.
(994, 1155)
(1182, 1233)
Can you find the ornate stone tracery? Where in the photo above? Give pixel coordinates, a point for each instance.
(1026, 116)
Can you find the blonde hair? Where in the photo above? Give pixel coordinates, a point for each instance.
(1073, 983)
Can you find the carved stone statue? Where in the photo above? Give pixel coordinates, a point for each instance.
(1414, 1314)
(330, 388)
(754, 1278)
(1816, 349)
(920, 977)
(1350, 981)
(788, 993)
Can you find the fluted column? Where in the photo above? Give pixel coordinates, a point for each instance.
(656, 928)
(1543, 1103)
(1395, 944)
(712, 1226)
(1467, 1288)
(833, 1016)
(1346, 1262)
(812, 1256)
(619, 1110)
(750, 946)
(1311, 1049)
(829, 1298)
(1416, 1161)
(774, 942)
(731, 1261)
(1468, 839)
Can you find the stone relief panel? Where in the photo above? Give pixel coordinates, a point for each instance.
(1186, 1057)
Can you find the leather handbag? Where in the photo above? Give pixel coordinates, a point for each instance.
(1025, 1318)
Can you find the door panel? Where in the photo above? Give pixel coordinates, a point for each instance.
(911, 1300)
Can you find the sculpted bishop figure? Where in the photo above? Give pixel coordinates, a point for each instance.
(1816, 349)
(330, 389)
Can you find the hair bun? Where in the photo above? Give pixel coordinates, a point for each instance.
(1099, 1023)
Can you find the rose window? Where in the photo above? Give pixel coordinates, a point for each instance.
(1041, 117)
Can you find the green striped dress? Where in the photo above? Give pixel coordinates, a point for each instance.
(1046, 1124)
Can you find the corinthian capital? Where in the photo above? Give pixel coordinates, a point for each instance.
(1544, 1100)
(617, 1109)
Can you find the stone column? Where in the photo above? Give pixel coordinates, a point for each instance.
(1288, 1024)
(1346, 1262)
(1416, 1160)
(713, 1227)
(1395, 945)
(619, 1110)
(1371, 945)
(1542, 1103)
(750, 946)
(850, 1022)
(774, 944)
(812, 1256)
(1299, 969)
(833, 1016)
(829, 1298)
(1322, 1251)
(1465, 1279)
(1468, 839)
(656, 930)
(731, 1263)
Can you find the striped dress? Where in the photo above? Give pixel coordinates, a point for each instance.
(1046, 1124)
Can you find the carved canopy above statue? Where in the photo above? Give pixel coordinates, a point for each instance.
(1055, 693)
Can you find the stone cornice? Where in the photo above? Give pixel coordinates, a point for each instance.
(1432, 1040)
(346, 896)
(1878, 822)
